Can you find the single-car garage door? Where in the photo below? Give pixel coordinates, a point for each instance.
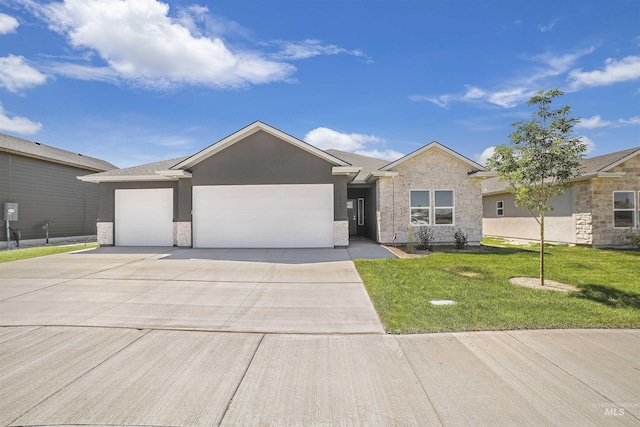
(144, 217)
(263, 216)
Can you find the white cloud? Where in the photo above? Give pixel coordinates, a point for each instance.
(310, 48)
(384, 154)
(543, 28)
(17, 124)
(592, 123)
(615, 71)
(635, 120)
(358, 143)
(141, 43)
(591, 146)
(325, 138)
(16, 74)
(516, 90)
(484, 156)
(8, 24)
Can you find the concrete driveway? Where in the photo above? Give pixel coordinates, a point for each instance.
(176, 338)
(259, 290)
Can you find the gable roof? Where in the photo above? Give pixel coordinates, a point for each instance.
(593, 167)
(368, 164)
(146, 172)
(36, 150)
(430, 146)
(250, 130)
(606, 162)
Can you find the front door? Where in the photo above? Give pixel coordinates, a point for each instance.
(352, 213)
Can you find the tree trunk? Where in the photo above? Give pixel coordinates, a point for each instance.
(542, 248)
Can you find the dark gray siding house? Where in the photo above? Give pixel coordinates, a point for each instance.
(43, 181)
(262, 188)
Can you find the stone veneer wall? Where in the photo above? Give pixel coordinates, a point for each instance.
(182, 234)
(582, 213)
(604, 234)
(340, 233)
(430, 170)
(105, 233)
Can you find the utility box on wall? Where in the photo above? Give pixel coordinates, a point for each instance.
(10, 211)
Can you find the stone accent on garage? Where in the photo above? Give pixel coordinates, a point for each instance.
(182, 234)
(433, 169)
(340, 233)
(105, 233)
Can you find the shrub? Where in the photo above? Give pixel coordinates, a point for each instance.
(425, 238)
(631, 238)
(410, 240)
(461, 239)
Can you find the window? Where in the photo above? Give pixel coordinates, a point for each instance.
(443, 208)
(624, 209)
(420, 206)
(500, 208)
(360, 211)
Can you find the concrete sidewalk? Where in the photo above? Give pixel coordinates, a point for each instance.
(143, 337)
(107, 376)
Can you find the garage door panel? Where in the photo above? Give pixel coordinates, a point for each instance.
(144, 217)
(263, 216)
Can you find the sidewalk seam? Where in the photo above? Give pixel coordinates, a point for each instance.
(77, 378)
(509, 333)
(244, 374)
(417, 377)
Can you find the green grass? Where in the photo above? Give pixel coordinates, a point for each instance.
(485, 299)
(18, 254)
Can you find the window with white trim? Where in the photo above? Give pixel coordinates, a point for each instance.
(624, 209)
(500, 208)
(443, 207)
(420, 208)
(360, 211)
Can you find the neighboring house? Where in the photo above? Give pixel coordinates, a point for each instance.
(261, 187)
(600, 205)
(42, 181)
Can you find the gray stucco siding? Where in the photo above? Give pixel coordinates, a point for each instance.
(107, 191)
(263, 159)
(47, 191)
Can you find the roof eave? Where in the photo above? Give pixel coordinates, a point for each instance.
(174, 174)
(373, 176)
(598, 175)
(619, 161)
(482, 174)
(123, 178)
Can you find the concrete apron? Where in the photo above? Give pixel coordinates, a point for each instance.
(114, 361)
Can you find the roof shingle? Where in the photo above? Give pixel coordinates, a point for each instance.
(36, 150)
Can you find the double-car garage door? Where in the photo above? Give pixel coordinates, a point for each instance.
(263, 216)
(231, 216)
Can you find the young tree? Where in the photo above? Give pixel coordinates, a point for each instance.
(541, 159)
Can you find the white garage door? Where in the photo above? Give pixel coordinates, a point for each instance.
(144, 217)
(263, 216)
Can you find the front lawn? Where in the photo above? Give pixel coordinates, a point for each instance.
(485, 299)
(18, 254)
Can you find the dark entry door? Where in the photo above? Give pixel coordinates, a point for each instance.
(352, 213)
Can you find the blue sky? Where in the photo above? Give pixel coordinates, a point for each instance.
(137, 81)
